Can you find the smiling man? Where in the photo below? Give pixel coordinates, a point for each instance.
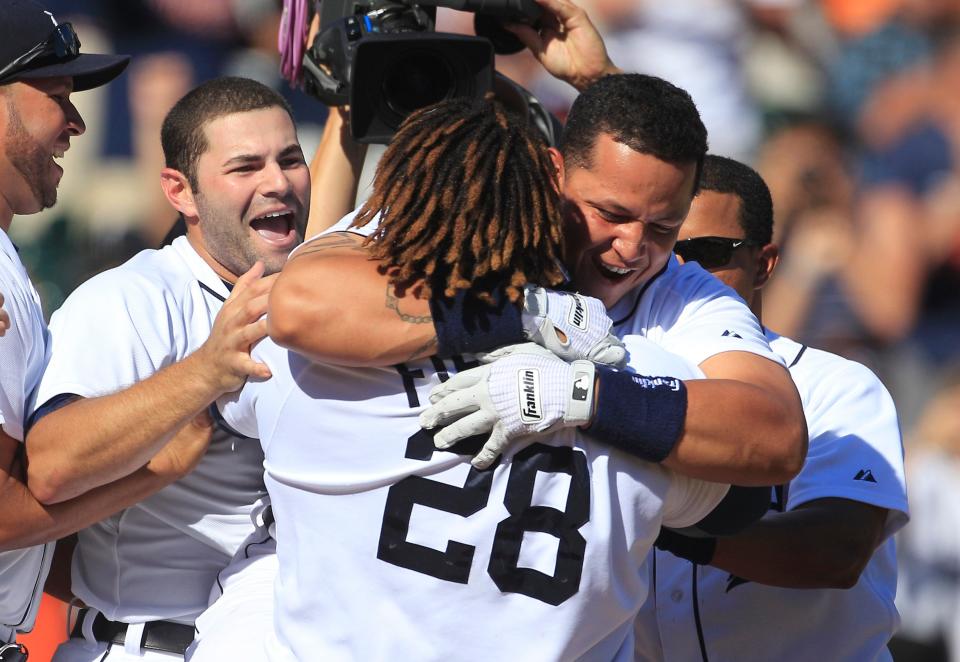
(140, 349)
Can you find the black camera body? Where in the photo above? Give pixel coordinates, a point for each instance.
(384, 59)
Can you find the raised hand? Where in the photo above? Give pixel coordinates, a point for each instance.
(239, 325)
(567, 44)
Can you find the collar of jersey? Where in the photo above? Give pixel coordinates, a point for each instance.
(624, 309)
(201, 270)
(8, 248)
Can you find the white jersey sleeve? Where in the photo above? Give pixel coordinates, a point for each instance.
(19, 347)
(139, 331)
(855, 448)
(690, 500)
(688, 312)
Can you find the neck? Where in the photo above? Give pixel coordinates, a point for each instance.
(197, 242)
(757, 306)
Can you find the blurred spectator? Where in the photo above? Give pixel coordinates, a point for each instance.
(700, 46)
(928, 595)
(851, 269)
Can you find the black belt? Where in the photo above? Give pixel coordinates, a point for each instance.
(163, 636)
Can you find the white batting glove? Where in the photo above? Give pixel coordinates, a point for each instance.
(583, 320)
(529, 391)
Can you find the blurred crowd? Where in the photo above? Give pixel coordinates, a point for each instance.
(850, 109)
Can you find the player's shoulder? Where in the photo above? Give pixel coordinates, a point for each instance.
(147, 277)
(678, 290)
(816, 371)
(690, 281)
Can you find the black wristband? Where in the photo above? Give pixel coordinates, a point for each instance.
(640, 415)
(698, 550)
(465, 325)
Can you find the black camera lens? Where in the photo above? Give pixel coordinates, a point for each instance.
(417, 79)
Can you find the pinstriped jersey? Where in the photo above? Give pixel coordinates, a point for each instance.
(22, 349)
(159, 558)
(386, 544)
(855, 453)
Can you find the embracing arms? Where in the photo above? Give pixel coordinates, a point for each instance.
(90, 442)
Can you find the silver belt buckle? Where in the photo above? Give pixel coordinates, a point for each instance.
(13, 653)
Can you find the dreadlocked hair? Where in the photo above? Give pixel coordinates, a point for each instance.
(467, 201)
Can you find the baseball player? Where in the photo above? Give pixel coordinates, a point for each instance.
(627, 182)
(383, 543)
(40, 67)
(141, 348)
(830, 528)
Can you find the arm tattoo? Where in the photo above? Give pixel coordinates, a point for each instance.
(393, 303)
(426, 349)
(333, 241)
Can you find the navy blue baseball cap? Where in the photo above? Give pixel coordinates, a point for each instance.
(33, 44)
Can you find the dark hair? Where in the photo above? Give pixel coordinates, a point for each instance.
(724, 175)
(645, 113)
(468, 201)
(182, 135)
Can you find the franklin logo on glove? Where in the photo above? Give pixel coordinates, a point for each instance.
(578, 313)
(529, 382)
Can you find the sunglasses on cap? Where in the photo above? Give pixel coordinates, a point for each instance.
(710, 252)
(62, 44)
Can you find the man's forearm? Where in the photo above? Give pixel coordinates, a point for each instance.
(30, 522)
(744, 424)
(93, 441)
(334, 174)
(334, 304)
(823, 544)
(738, 433)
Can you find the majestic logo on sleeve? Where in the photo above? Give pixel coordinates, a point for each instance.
(731, 334)
(581, 386)
(578, 313)
(865, 475)
(529, 388)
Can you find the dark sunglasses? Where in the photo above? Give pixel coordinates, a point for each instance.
(62, 44)
(710, 252)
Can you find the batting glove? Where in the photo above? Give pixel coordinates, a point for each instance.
(526, 392)
(582, 320)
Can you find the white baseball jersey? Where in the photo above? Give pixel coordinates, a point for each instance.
(22, 349)
(855, 453)
(688, 312)
(386, 544)
(158, 559)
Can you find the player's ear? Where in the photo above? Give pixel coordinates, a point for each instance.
(176, 187)
(557, 158)
(767, 259)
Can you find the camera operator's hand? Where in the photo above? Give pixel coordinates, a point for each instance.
(567, 44)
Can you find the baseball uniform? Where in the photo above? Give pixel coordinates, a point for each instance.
(855, 452)
(156, 560)
(683, 308)
(22, 349)
(385, 544)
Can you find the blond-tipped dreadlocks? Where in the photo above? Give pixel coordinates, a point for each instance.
(467, 200)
